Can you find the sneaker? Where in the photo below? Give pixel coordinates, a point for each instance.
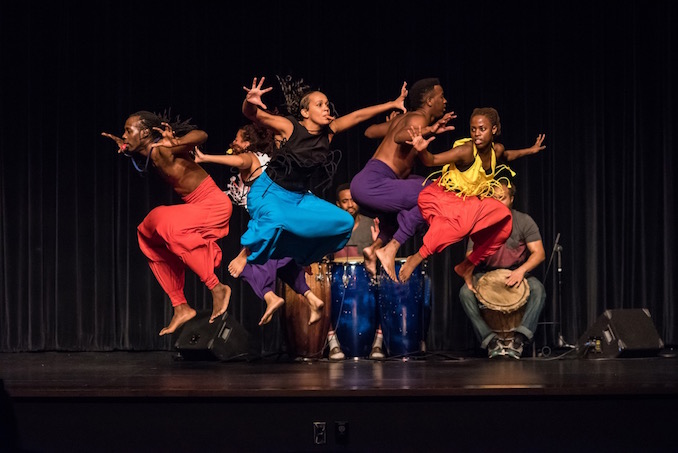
(515, 346)
(377, 353)
(336, 354)
(495, 349)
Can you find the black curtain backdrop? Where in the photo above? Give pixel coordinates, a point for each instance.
(598, 78)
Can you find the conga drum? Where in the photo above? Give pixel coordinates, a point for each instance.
(304, 341)
(404, 311)
(354, 306)
(501, 306)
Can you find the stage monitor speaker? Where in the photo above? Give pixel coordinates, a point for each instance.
(224, 339)
(621, 333)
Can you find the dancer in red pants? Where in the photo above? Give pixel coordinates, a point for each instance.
(173, 237)
(463, 200)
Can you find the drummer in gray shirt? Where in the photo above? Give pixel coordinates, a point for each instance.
(365, 232)
(363, 228)
(522, 252)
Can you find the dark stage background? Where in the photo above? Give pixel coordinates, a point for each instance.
(598, 78)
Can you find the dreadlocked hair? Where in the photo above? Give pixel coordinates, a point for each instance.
(293, 91)
(260, 138)
(491, 114)
(149, 120)
(296, 94)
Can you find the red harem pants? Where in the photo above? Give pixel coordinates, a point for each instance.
(451, 218)
(173, 237)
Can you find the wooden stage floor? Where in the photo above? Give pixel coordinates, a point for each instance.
(151, 401)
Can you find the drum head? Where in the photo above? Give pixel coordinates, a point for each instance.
(349, 260)
(492, 291)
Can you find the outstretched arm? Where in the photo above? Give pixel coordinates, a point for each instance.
(179, 145)
(348, 121)
(426, 131)
(379, 130)
(455, 155)
(513, 154)
(240, 161)
(255, 110)
(118, 141)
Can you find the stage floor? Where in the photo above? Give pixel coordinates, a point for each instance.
(153, 401)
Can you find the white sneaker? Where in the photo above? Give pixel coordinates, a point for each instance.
(377, 353)
(336, 354)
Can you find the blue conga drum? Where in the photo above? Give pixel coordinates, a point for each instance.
(354, 306)
(404, 310)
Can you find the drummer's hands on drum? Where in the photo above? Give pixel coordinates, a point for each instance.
(515, 277)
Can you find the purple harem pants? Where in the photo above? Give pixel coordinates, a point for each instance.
(262, 277)
(380, 193)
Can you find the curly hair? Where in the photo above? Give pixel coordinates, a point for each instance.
(260, 138)
(491, 114)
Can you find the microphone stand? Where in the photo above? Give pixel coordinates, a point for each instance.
(557, 250)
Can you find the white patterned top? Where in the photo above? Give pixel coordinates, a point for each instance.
(237, 189)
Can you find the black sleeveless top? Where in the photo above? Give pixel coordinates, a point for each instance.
(293, 165)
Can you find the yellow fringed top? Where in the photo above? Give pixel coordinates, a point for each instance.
(473, 181)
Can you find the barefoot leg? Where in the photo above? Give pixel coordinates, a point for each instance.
(221, 295)
(238, 263)
(273, 302)
(387, 255)
(410, 265)
(182, 313)
(316, 307)
(369, 253)
(465, 271)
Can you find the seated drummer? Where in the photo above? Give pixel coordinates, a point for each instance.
(365, 232)
(522, 252)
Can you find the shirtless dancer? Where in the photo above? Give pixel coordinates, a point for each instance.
(386, 185)
(173, 237)
(249, 153)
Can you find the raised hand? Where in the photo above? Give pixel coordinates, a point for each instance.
(441, 126)
(122, 146)
(400, 100)
(168, 139)
(534, 149)
(198, 155)
(418, 142)
(254, 93)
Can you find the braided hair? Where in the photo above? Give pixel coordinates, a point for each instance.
(149, 120)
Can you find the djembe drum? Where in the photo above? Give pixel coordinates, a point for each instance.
(502, 306)
(304, 341)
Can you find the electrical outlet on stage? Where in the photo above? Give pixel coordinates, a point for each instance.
(319, 433)
(341, 432)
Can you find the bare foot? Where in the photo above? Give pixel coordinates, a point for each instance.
(387, 255)
(221, 296)
(238, 263)
(273, 302)
(182, 313)
(409, 266)
(465, 271)
(316, 307)
(369, 253)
